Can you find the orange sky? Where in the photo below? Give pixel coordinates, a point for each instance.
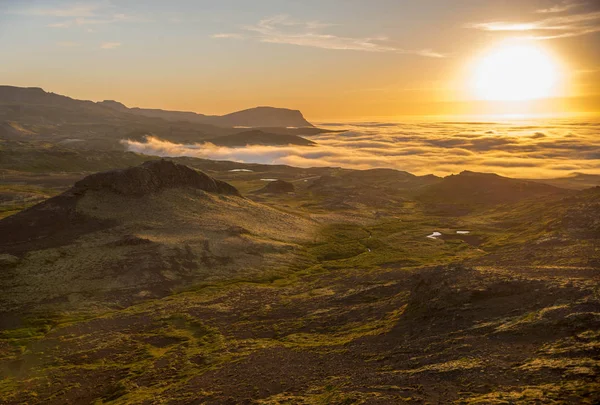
(336, 59)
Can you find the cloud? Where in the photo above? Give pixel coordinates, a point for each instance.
(538, 135)
(283, 30)
(421, 148)
(561, 7)
(227, 36)
(562, 26)
(110, 45)
(79, 14)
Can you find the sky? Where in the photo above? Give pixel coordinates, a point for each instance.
(330, 59)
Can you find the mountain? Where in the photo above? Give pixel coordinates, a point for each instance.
(547, 231)
(254, 117)
(121, 236)
(263, 117)
(575, 181)
(374, 188)
(257, 137)
(469, 191)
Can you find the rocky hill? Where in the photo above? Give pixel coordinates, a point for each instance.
(122, 236)
(277, 187)
(151, 177)
(375, 188)
(468, 191)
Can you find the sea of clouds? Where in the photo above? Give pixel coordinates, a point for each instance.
(517, 148)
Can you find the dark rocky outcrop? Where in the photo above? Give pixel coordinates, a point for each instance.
(277, 187)
(151, 177)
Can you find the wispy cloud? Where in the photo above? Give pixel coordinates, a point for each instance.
(561, 7)
(227, 36)
(110, 45)
(283, 30)
(81, 14)
(562, 26)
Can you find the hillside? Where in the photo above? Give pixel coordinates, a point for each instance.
(575, 181)
(375, 188)
(118, 237)
(469, 191)
(158, 283)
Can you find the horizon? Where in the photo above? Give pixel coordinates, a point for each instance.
(476, 117)
(322, 59)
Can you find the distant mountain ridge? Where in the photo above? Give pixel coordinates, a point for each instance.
(469, 191)
(253, 117)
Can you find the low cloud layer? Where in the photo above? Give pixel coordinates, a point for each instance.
(518, 149)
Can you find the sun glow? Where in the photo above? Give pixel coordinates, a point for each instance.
(516, 72)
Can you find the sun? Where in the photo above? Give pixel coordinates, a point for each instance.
(516, 72)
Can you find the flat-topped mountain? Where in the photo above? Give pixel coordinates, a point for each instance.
(264, 117)
(253, 117)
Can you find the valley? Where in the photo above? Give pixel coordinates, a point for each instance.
(320, 295)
